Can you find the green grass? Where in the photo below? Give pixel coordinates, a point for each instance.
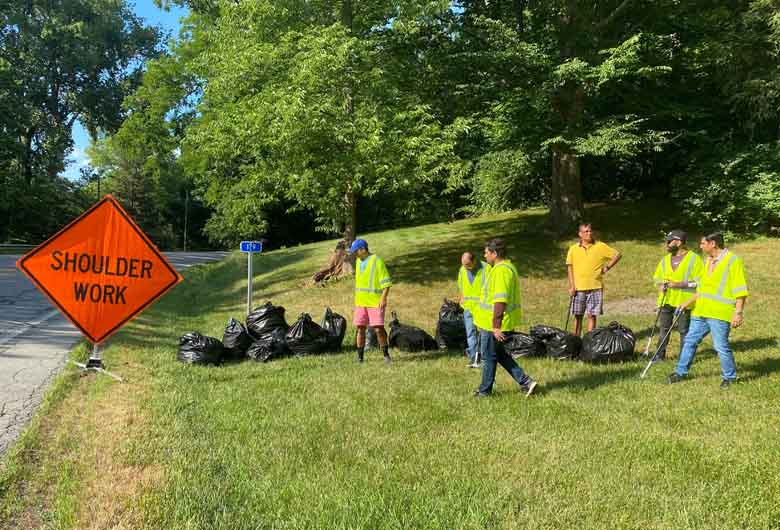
(324, 443)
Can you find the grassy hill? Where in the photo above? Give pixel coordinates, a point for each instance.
(324, 443)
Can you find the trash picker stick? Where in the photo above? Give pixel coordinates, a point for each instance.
(655, 324)
(658, 350)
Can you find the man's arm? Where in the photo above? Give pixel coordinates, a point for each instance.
(736, 320)
(570, 270)
(612, 262)
(383, 300)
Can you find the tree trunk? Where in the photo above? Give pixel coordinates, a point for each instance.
(566, 202)
(350, 221)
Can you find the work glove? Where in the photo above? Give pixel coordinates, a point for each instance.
(665, 286)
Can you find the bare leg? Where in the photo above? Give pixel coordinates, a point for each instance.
(381, 336)
(591, 322)
(577, 324)
(360, 339)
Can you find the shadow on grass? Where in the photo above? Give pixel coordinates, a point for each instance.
(758, 369)
(591, 380)
(531, 245)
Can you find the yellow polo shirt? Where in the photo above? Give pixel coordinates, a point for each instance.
(587, 262)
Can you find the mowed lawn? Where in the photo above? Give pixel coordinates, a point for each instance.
(322, 442)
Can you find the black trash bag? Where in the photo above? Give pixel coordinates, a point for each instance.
(613, 343)
(451, 328)
(409, 338)
(557, 343)
(306, 337)
(265, 319)
(235, 340)
(195, 348)
(336, 327)
(522, 345)
(269, 346)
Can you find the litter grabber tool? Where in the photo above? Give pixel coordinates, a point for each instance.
(655, 324)
(677, 313)
(568, 313)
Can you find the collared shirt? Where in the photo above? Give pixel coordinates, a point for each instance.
(586, 263)
(473, 272)
(713, 262)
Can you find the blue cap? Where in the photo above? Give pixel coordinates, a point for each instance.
(357, 245)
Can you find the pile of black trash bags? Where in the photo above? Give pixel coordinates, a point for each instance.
(266, 336)
(612, 343)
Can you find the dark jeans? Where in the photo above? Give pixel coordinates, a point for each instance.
(493, 353)
(665, 322)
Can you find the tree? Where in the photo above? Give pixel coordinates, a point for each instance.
(61, 62)
(298, 106)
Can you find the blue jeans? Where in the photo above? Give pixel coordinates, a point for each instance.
(699, 329)
(471, 335)
(493, 352)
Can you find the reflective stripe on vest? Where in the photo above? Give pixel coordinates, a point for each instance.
(371, 279)
(722, 287)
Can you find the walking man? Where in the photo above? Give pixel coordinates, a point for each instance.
(472, 279)
(498, 314)
(676, 277)
(720, 300)
(587, 262)
(372, 285)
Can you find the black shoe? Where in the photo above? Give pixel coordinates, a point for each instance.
(528, 388)
(388, 360)
(480, 394)
(674, 378)
(360, 357)
(727, 383)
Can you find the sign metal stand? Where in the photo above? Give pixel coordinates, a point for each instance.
(250, 247)
(95, 364)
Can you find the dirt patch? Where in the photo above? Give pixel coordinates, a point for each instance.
(631, 306)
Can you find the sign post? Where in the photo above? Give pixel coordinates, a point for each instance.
(250, 247)
(100, 271)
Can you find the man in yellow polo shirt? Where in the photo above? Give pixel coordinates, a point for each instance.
(719, 301)
(498, 315)
(587, 262)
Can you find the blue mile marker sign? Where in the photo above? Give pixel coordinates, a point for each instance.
(251, 246)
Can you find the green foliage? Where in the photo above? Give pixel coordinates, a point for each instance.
(59, 62)
(738, 191)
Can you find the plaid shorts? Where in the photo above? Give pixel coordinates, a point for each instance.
(590, 302)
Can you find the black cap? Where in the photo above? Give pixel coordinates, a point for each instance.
(678, 235)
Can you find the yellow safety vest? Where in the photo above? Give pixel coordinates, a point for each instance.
(471, 291)
(718, 291)
(689, 269)
(370, 281)
(503, 285)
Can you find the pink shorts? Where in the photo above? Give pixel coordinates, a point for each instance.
(368, 316)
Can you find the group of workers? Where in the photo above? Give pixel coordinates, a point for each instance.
(698, 296)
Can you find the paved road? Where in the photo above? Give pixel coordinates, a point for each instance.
(35, 340)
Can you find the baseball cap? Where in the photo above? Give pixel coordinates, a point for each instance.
(357, 245)
(678, 235)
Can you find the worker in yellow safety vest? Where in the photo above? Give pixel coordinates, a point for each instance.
(472, 279)
(676, 277)
(372, 285)
(720, 299)
(498, 315)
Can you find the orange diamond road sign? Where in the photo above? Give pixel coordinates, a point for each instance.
(100, 270)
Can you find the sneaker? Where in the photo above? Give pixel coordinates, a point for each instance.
(528, 388)
(388, 360)
(727, 383)
(480, 394)
(674, 377)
